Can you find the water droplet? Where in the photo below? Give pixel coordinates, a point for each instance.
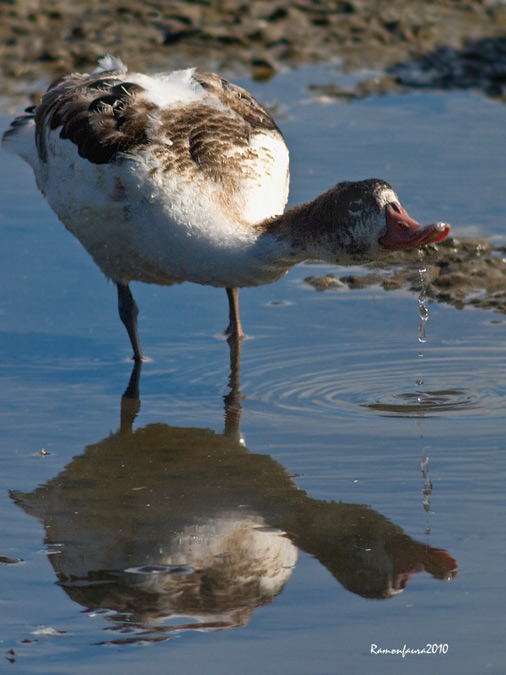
(423, 312)
(427, 487)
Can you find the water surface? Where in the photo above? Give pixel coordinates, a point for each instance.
(328, 509)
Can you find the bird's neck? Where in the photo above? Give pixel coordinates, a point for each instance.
(307, 231)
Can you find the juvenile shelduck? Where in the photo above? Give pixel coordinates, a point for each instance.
(184, 177)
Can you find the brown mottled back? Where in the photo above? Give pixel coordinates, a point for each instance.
(238, 99)
(101, 115)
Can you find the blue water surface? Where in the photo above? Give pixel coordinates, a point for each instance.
(323, 514)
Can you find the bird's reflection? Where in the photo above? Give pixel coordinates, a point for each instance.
(164, 528)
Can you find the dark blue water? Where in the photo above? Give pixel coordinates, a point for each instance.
(323, 517)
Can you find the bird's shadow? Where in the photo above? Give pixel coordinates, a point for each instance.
(166, 528)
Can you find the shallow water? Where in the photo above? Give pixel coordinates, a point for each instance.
(276, 538)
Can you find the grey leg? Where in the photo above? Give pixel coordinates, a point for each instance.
(234, 330)
(128, 311)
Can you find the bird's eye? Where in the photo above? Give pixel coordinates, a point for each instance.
(356, 206)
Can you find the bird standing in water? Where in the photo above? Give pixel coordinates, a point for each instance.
(184, 177)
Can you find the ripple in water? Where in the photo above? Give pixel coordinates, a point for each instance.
(362, 378)
(149, 570)
(422, 402)
(363, 381)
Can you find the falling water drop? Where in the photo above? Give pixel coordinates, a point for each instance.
(427, 486)
(423, 312)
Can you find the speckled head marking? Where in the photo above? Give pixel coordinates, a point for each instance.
(353, 200)
(360, 215)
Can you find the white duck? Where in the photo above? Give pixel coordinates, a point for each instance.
(184, 177)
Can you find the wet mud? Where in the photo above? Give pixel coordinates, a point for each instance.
(458, 272)
(414, 43)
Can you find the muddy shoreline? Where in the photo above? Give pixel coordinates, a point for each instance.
(461, 273)
(42, 39)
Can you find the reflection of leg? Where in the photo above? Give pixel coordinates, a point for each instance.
(234, 329)
(130, 401)
(128, 311)
(234, 399)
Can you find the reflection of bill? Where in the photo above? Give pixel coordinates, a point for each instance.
(170, 528)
